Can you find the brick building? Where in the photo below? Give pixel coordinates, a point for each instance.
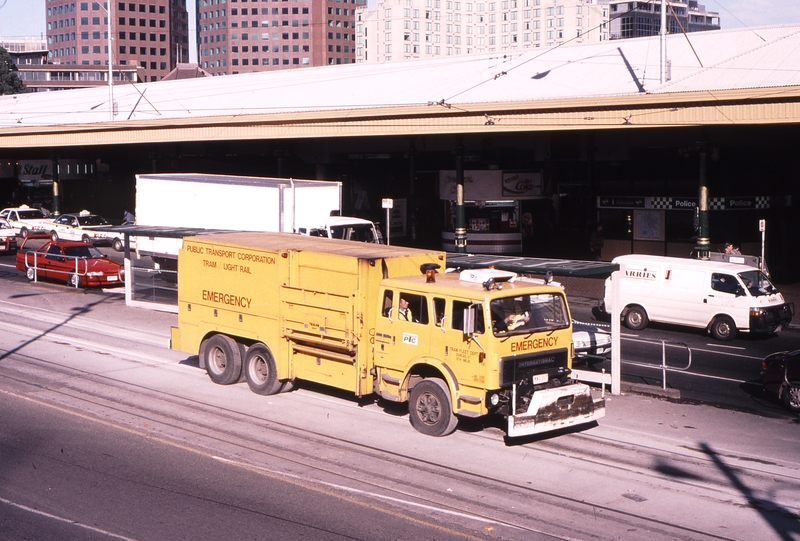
(152, 35)
(240, 36)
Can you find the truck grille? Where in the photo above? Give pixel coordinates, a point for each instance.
(522, 367)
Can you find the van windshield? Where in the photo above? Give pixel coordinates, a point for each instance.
(524, 314)
(757, 283)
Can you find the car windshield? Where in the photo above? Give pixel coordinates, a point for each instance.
(357, 232)
(92, 220)
(757, 283)
(5, 225)
(83, 252)
(523, 314)
(31, 215)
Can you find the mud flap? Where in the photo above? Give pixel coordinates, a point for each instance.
(560, 407)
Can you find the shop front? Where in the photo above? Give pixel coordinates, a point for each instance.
(494, 211)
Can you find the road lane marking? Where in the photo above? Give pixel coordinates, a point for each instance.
(725, 346)
(65, 520)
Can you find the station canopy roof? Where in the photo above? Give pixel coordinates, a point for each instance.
(715, 77)
(532, 265)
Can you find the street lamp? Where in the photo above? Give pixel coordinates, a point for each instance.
(110, 65)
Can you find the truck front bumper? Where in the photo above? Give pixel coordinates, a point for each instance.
(559, 407)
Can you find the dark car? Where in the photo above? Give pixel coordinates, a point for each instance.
(781, 375)
(77, 263)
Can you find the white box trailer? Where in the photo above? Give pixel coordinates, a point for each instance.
(236, 203)
(723, 297)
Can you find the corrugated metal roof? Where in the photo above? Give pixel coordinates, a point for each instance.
(764, 57)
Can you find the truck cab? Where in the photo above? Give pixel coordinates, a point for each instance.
(501, 344)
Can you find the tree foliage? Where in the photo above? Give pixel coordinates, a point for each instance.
(9, 81)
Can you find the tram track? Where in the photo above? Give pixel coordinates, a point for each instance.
(213, 428)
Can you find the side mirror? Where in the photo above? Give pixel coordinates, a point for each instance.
(469, 321)
(739, 291)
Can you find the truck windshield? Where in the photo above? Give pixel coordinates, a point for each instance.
(757, 283)
(523, 314)
(357, 232)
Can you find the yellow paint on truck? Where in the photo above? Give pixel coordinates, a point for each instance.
(365, 318)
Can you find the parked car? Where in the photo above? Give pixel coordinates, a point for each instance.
(590, 340)
(86, 227)
(781, 375)
(77, 263)
(25, 219)
(8, 237)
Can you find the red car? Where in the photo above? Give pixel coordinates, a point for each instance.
(781, 375)
(77, 263)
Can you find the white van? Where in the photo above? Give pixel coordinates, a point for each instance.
(723, 297)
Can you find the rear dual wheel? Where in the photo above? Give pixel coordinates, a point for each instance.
(222, 358)
(260, 370)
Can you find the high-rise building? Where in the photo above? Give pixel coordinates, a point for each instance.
(641, 19)
(409, 29)
(152, 35)
(239, 36)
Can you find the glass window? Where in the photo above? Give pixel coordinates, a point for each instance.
(458, 316)
(523, 314)
(724, 283)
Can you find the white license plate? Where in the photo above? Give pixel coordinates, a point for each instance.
(540, 378)
(112, 278)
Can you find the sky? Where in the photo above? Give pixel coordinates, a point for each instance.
(26, 18)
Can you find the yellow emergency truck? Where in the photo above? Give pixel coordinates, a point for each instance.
(272, 308)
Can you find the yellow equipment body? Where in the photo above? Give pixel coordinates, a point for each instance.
(272, 308)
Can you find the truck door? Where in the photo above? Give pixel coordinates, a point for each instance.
(404, 329)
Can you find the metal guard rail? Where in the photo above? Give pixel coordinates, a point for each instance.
(664, 367)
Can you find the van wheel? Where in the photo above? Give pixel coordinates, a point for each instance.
(260, 370)
(430, 408)
(791, 396)
(723, 328)
(222, 359)
(636, 318)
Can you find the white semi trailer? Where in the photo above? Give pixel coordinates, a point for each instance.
(237, 203)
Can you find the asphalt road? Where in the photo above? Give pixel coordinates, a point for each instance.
(723, 374)
(108, 434)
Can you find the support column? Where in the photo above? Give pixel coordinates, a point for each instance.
(703, 241)
(461, 222)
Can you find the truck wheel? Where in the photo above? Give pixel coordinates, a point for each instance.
(31, 274)
(430, 408)
(117, 245)
(222, 359)
(54, 236)
(636, 318)
(791, 396)
(723, 328)
(260, 370)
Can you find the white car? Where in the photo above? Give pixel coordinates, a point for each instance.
(25, 219)
(86, 227)
(590, 340)
(8, 237)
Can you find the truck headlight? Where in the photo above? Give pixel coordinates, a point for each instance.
(494, 399)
